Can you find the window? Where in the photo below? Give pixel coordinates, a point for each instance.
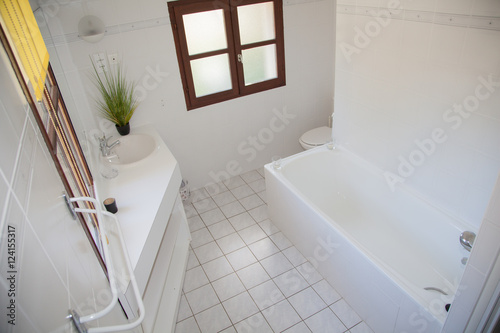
(227, 49)
(23, 43)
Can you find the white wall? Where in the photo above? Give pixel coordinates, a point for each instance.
(479, 280)
(396, 84)
(204, 140)
(399, 79)
(55, 268)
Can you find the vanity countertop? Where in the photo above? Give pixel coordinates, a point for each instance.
(145, 192)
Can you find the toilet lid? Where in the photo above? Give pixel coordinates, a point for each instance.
(317, 136)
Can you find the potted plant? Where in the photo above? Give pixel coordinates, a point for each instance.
(117, 103)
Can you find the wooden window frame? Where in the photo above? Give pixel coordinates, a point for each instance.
(234, 49)
(82, 182)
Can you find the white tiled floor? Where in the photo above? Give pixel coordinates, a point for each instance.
(245, 276)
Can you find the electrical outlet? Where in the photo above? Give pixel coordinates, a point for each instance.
(163, 105)
(100, 62)
(113, 59)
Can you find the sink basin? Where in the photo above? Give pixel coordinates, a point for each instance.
(132, 148)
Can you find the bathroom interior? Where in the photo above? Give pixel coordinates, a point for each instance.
(391, 73)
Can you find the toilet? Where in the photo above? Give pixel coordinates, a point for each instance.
(316, 137)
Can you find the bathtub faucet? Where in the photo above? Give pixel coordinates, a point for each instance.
(467, 239)
(103, 145)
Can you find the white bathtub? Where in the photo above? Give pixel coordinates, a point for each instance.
(379, 249)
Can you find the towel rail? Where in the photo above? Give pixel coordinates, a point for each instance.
(80, 321)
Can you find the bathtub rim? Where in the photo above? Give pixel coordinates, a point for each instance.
(421, 296)
(461, 223)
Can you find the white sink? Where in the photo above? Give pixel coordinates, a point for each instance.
(132, 148)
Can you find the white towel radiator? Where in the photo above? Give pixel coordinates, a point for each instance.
(79, 321)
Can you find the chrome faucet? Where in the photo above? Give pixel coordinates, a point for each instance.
(467, 239)
(104, 147)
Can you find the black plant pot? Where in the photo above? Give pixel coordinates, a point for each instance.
(123, 130)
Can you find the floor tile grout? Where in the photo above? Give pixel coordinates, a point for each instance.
(203, 194)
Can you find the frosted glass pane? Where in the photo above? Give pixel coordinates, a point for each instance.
(259, 64)
(205, 31)
(211, 75)
(256, 22)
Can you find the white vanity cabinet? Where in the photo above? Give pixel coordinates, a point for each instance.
(155, 232)
(163, 288)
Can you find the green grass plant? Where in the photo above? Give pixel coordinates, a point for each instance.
(117, 103)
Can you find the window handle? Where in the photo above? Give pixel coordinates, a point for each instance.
(240, 58)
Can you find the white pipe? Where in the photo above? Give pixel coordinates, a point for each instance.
(137, 293)
(107, 258)
(111, 273)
